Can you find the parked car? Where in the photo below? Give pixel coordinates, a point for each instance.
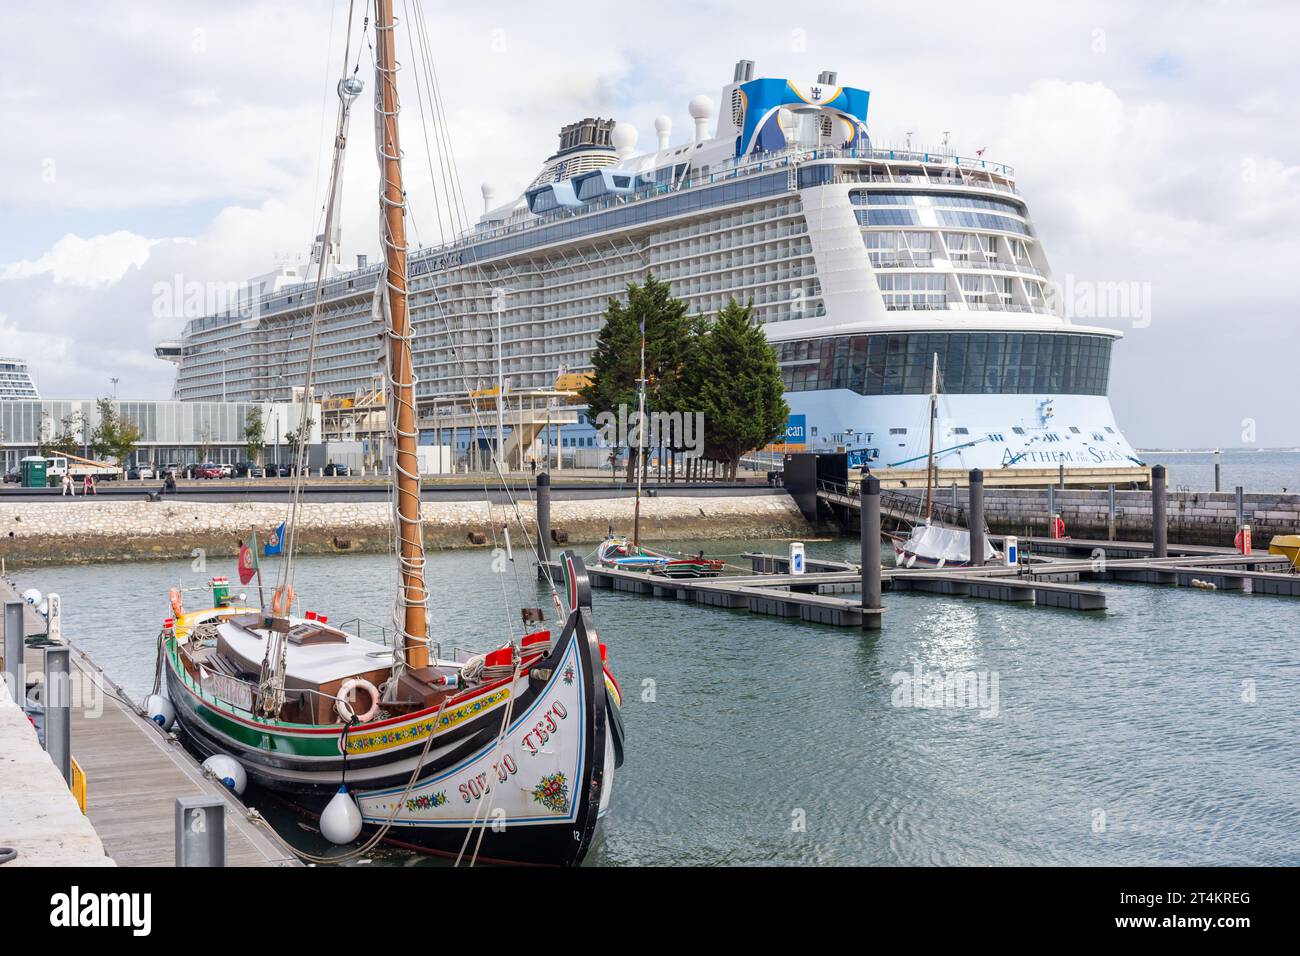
(139, 472)
(247, 469)
(227, 471)
(209, 469)
(13, 475)
(338, 471)
(277, 470)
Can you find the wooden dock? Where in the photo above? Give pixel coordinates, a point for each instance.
(135, 771)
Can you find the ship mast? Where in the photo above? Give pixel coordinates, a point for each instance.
(929, 461)
(401, 407)
(640, 435)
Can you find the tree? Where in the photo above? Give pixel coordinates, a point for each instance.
(116, 436)
(616, 361)
(740, 390)
(254, 434)
(68, 439)
(291, 438)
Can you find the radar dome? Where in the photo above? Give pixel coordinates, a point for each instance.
(624, 137)
(701, 109)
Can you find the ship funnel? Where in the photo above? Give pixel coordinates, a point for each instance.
(828, 78)
(489, 196)
(663, 129)
(744, 71)
(701, 110)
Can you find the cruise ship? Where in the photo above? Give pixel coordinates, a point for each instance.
(16, 379)
(862, 263)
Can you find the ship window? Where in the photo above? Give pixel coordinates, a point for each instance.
(898, 431)
(976, 363)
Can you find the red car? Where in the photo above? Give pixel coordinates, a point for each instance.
(208, 470)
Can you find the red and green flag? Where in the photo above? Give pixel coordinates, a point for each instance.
(247, 560)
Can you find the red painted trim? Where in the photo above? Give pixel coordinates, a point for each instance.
(305, 730)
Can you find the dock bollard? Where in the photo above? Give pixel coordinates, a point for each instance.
(1159, 518)
(1218, 468)
(1241, 506)
(870, 555)
(58, 710)
(976, 518)
(544, 516)
(1110, 517)
(200, 831)
(15, 671)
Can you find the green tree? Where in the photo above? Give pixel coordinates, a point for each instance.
(67, 440)
(740, 390)
(616, 361)
(291, 438)
(116, 436)
(255, 434)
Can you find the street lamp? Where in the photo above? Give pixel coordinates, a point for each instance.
(114, 381)
(499, 299)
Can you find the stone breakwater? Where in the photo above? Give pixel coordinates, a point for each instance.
(70, 532)
(1195, 517)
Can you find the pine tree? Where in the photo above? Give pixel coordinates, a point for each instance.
(739, 387)
(616, 361)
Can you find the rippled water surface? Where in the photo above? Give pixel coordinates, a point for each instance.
(1164, 731)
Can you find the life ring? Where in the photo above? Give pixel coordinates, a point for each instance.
(282, 600)
(343, 700)
(178, 607)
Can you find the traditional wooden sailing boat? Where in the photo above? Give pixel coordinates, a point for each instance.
(930, 542)
(430, 752)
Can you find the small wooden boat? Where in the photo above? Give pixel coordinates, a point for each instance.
(617, 552)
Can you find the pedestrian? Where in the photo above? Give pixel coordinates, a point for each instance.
(169, 483)
(67, 486)
(88, 486)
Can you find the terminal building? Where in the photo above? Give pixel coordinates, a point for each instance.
(172, 432)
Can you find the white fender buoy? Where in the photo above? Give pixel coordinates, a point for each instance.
(32, 596)
(341, 820)
(911, 561)
(44, 608)
(228, 770)
(160, 711)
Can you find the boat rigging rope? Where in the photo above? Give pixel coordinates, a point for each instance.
(275, 660)
(373, 840)
(499, 747)
(459, 220)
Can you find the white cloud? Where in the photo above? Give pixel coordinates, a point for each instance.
(97, 261)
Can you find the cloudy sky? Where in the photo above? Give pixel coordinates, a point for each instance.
(1157, 144)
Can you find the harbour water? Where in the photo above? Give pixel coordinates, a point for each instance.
(1161, 731)
(1263, 471)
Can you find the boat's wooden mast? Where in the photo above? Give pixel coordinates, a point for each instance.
(402, 390)
(929, 461)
